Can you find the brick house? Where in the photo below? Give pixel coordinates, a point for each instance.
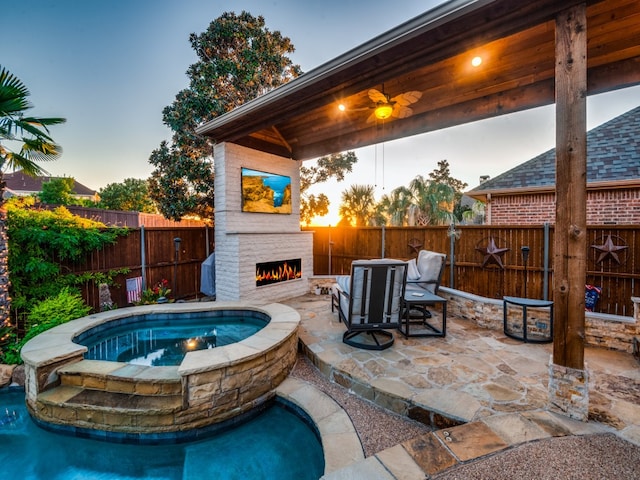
(526, 194)
(19, 184)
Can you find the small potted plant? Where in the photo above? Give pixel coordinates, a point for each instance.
(162, 291)
(158, 294)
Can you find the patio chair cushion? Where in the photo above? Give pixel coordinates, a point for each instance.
(412, 270)
(344, 282)
(428, 265)
(357, 292)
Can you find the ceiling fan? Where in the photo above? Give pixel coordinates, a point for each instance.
(385, 107)
(397, 107)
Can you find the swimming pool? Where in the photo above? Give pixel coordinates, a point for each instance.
(278, 443)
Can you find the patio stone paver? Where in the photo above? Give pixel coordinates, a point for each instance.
(471, 440)
(401, 465)
(430, 454)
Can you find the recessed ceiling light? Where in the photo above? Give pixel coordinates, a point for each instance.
(476, 61)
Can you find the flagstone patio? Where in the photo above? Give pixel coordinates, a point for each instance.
(480, 390)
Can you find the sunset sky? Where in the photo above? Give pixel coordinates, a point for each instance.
(111, 67)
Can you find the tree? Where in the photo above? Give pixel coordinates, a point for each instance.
(57, 191)
(395, 206)
(443, 175)
(332, 166)
(358, 206)
(239, 59)
(432, 202)
(130, 195)
(31, 135)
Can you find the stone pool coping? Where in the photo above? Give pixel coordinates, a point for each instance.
(340, 442)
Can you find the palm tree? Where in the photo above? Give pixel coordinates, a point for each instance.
(358, 205)
(31, 136)
(432, 202)
(396, 205)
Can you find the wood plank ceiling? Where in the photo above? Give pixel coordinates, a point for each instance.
(432, 54)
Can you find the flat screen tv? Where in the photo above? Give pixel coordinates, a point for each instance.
(264, 192)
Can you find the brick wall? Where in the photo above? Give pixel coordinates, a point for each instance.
(616, 206)
(533, 209)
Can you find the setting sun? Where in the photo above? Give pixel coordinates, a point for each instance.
(332, 218)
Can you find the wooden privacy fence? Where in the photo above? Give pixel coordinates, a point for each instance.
(151, 253)
(488, 260)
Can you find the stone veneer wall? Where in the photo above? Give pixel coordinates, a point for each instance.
(244, 239)
(218, 395)
(601, 330)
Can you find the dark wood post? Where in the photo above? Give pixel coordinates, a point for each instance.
(570, 249)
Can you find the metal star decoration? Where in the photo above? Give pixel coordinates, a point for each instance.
(609, 250)
(492, 254)
(415, 245)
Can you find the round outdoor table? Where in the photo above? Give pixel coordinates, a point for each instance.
(525, 303)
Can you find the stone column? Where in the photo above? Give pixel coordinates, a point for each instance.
(569, 391)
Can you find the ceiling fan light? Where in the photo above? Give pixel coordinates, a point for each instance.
(383, 111)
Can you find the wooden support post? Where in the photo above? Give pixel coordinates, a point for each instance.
(570, 248)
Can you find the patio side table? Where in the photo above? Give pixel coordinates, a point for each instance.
(539, 333)
(417, 301)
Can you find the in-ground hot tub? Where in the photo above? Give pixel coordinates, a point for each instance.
(207, 387)
(164, 339)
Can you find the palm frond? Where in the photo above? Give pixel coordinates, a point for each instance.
(31, 132)
(16, 161)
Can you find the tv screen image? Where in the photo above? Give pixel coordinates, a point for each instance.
(264, 192)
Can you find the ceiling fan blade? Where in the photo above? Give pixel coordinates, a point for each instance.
(377, 96)
(400, 111)
(371, 118)
(407, 98)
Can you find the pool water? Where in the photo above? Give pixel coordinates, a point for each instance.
(277, 444)
(165, 340)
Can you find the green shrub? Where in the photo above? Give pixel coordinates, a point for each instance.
(40, 241)
(53, 311)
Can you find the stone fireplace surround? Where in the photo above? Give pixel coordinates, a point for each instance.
(243, 240)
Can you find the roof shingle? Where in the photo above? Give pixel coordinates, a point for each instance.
(613, 154)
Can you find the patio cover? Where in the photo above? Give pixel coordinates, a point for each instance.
(534, 53)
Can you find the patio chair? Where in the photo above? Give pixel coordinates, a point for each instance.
(424, 274)
(369, 302)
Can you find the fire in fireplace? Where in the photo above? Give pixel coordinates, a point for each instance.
(279, 271)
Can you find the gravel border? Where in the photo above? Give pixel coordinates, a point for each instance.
(377, 428)
(601, 456)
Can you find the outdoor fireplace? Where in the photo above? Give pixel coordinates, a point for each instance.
(278, 271)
